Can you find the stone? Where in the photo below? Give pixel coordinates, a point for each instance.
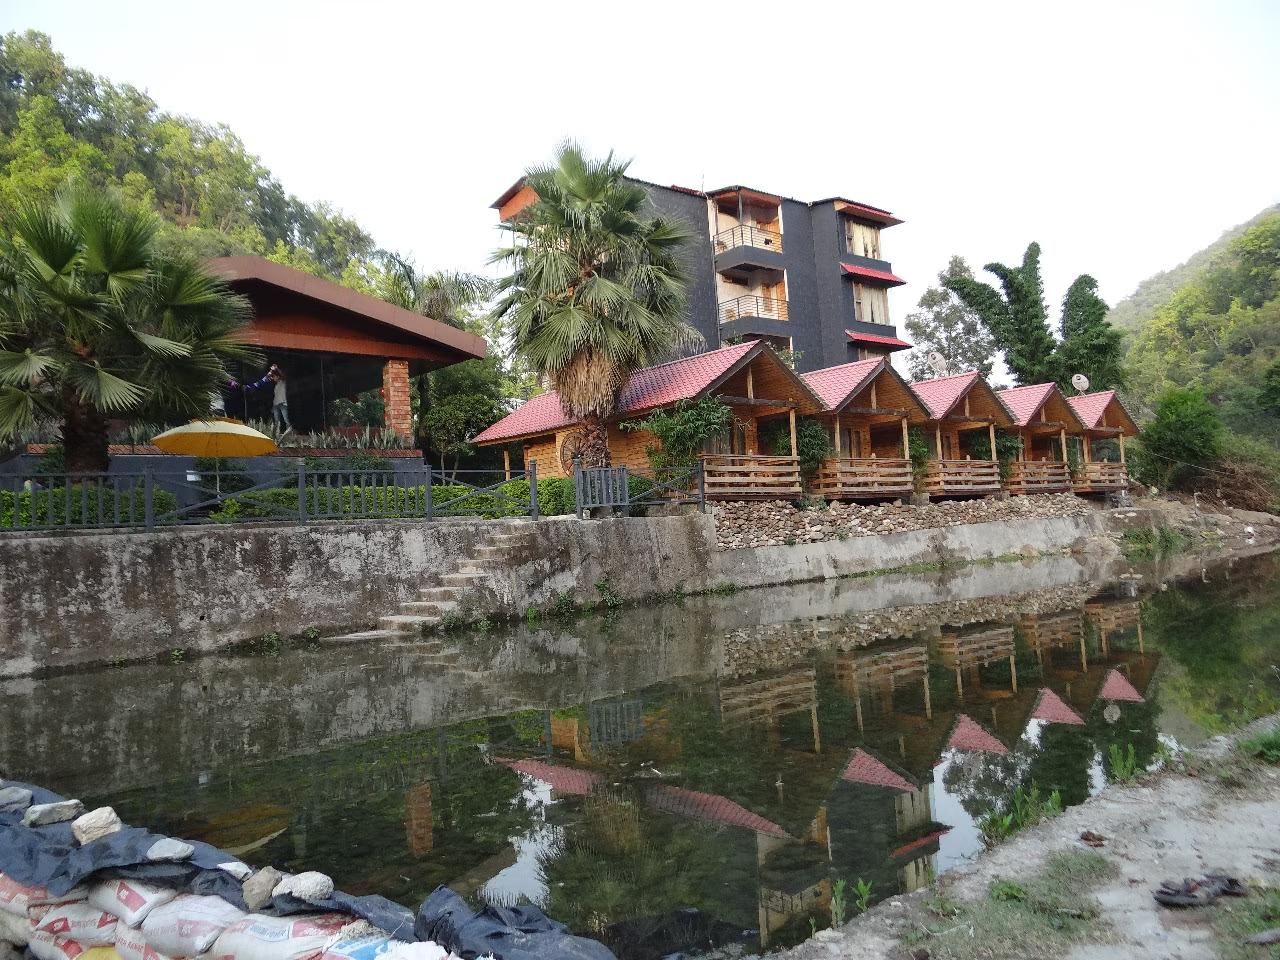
(241, 871)
(169, 850)
(41, 814)
(309, 885)
(95, 825)
(14, 798)
(257, 889)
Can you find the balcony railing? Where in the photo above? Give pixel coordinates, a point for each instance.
(751, 305)
(1038, 476)
(1101, 475)
(748, 236)
(751, 477)
(871, 477)
(962, 477)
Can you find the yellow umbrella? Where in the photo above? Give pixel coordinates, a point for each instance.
(218, 438)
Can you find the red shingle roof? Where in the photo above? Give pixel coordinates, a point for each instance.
(1090, 406)
(711, 807)
(864, 768)
(1051, 708)
(969, 735)
(647, 389)
(562, 779)
(1025, 402)
(834, 385)
(868, 273)
(876, 338)
(1117, 687)
(919, 842)
(941, 394)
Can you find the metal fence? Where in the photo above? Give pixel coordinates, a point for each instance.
(163, 498)
(627, 490)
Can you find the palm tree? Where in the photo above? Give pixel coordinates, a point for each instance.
(596, 289)
(96, 323)
(444, 295)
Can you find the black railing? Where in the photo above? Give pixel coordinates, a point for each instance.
(748, 236)
(629, 491)
(165, 498)
(752, 305)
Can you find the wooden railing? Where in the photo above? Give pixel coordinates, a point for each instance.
(1102, 475)
(959, 477)
(1038, 476)
(751, 305)
(751, 477)
(872, 477)
(748, 236)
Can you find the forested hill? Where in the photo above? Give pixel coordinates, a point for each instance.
(59, 123)
(1154, 292)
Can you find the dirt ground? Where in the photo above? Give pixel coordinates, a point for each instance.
(1214, 811)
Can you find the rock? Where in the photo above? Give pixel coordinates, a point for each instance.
(95, 824)
(169, 850)
(14, 798)
(308, 885)
(241, 871)
(40, 814)
(257, 889)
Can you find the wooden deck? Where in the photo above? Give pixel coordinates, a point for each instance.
(751, 477)
(962, 478)
(847, 479)
(1038, 476)
(1102, 477)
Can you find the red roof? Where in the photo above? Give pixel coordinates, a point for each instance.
(919, 842)
(710, 806)
(1051, 708)
(864, 768)
(1117, 687)
(969, 735)
(647, 389)
(876, 338)
(562, 779)
(1025, 402)
(941, 394)
(867, 273)
(834, 385)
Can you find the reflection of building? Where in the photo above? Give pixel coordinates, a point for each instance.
(969, 652)
(881, 677)
(765, 699)
(418, 820)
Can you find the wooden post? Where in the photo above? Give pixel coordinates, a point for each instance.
(937, 440)
(506, 463)
(873, 395)
(1084, 447)
(751, 385)
(991, 435)
(792, 413)
(1062, 438)
(906, 440)
(1122, 448)
(837, 421)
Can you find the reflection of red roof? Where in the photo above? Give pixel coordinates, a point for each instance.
(876, 338)
(1025, 402)
(711, 807)
(833, 385)
(870, 273)
(562, 779)
(1117, 687)
(919, 842)
(970, 735)
(942, 393)
(647, 389)
(864, 768)
(1051, 708)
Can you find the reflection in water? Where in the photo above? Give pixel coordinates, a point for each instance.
(664, 780)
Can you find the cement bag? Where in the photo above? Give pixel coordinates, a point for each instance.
(45, 946)
(100, 953)
(14, 930)
(88, 926)
(129, 900)
(188, 925)
(358, 948)
(18, 899)
(259, 937)
(131, 945)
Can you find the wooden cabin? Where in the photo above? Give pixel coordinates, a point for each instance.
(1043, 419)
(1105, 424)
(869, 409)
(748, 377)
(960, 406)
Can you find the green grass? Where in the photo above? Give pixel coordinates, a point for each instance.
(1147, 542)
(1265, 746)
(1234, 919)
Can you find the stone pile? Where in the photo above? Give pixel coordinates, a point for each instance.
(770, 523)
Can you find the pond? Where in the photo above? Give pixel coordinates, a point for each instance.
(697, 776)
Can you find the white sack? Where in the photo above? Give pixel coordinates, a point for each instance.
(188, 925)
(129, 900)
(87, 925)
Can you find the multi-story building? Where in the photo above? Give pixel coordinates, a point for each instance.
(805, 277)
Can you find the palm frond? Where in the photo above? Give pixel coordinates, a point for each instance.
(103, 389)
(161, 345)
(17, 411)
(25, 368)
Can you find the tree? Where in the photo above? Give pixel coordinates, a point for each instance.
(449, 296)
(947, 325)
(596, 289)
(453, 422)
(1185, 436)
(95, 323)
(1017, 318)
(1090, 345)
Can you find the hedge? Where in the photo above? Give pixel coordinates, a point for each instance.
(48, 506)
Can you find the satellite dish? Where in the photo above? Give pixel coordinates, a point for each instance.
(938, 364)
(1080, 382)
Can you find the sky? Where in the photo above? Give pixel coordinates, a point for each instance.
(1122, 136)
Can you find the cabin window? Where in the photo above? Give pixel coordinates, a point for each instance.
(862, 239)
(870, 304)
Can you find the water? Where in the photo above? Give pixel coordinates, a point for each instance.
(680, 777)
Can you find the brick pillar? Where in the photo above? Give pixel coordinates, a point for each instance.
(397, 413)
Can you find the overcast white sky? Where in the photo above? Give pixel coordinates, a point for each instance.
(1122, 136)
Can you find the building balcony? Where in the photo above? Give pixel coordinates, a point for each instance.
(1101, 477)
(962, 478)
(751, 477)
(754, 316)
(1038, 476)
(746, 235)
(866, 478)
(742, 250)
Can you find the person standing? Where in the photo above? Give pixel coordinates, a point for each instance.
(280, 401)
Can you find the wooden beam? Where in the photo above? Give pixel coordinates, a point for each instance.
(1122, 448)
(937, 440)
(753, 402)
(837, 422)
(792, 413)
(980, 421)
(906, 441)
(876, 411)
(991, 435)
(1062, 438)
(751, 385)
(506, 463)
(873, 394)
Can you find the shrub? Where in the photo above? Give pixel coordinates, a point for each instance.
(1185, 437)
(49, 506)
(509, 499)
(683, 431)
(1008, 446)
(813, 443)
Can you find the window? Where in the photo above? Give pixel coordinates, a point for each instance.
(870, 304)
(862, 239)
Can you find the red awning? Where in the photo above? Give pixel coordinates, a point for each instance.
(876, 338)
(866, 273)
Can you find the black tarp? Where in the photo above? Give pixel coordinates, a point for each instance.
(508, 933)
